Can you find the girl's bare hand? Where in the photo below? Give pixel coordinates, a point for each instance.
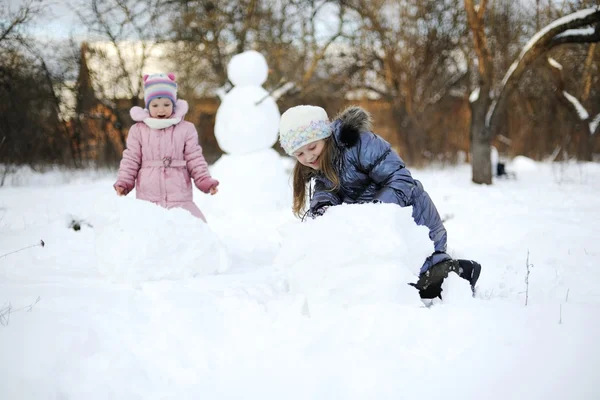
(213, 191)
(120, 191)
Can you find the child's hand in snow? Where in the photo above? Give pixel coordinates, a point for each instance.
(213, 190)
(120, 191)
(319, 212)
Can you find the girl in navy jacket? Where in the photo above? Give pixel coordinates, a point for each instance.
(350, 164)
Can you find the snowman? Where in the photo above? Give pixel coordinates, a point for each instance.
(252, 174)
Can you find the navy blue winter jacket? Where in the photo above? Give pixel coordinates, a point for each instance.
(370, 170)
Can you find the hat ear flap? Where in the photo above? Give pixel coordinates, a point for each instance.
(171, 76)
(145, 77)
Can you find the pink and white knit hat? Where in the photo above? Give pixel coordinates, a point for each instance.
(302, 125)
(160, 85)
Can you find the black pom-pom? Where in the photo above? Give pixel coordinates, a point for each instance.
(354, 121)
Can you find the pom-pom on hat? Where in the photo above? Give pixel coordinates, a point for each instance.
(160, 85)
(302, 125)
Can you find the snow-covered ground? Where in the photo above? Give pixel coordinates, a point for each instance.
(144, 303)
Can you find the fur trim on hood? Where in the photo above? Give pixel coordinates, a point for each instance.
(353, 121)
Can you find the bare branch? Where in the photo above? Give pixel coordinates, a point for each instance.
(442, 92)
(321, 53)
(15, 23)
(41, 244)
(560, 314)
(481, 9)
(577, 37)
(380, 92)
(587, 72)
(249, 17)
(537, 46)
(594, 124)
(528, 266)
(563, 95)
(7, 310)
(114, 38)
(23, 15)
(480, 42)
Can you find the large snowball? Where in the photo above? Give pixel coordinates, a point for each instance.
(140, 241)
(243, 126)
(456, 290)
(248, 68)
(355, 254)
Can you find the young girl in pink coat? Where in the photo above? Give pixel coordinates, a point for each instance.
(163, 154)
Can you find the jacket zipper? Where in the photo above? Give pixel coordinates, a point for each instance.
(164, 174)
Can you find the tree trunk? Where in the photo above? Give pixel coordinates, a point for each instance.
(481, 137)
(405, 131)
(584, 143)
(481, 162)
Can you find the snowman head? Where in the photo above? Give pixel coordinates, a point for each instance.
(248, 69)
(248, 118)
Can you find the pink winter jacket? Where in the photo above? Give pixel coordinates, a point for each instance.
(162, 161)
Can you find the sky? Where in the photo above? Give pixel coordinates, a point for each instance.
(60, 20)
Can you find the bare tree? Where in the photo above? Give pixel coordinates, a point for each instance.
(586, 123)
(13, 21)
(285, 31)
(413, 47)
(207, 35)
(30, 128)
(486, 108)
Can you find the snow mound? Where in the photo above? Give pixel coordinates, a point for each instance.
(456, 290)
(355, 254)
(522, 163)
(50, 176)
(140, 241)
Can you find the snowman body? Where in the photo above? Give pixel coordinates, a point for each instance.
(251, 173)
(242, 126)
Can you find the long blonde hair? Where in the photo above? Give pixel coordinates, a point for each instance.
(303, 174)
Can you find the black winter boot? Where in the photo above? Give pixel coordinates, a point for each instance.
(469, 270)
(430, 282)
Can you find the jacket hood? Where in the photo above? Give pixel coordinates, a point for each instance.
(350, 123)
